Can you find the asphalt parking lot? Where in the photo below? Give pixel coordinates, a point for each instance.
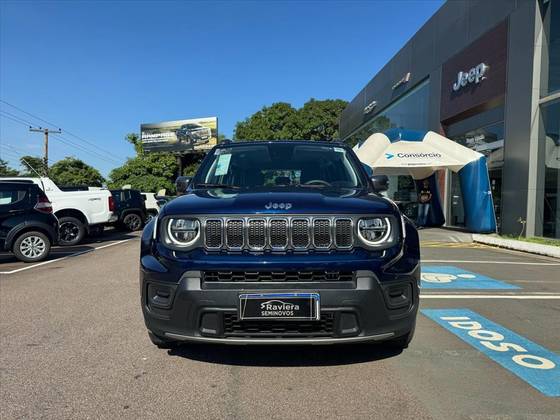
(487, 345)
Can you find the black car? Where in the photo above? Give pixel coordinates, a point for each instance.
(130, 208)
(283, 242)
(27, 226)
(193, 134)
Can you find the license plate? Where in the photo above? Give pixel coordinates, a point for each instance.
(279, 306)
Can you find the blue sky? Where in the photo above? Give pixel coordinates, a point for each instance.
(99, 69)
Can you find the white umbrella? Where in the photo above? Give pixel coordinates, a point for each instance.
(419, 159)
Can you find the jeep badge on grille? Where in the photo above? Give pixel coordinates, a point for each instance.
(284, 206)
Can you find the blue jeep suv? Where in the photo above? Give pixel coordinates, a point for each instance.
(280, 242)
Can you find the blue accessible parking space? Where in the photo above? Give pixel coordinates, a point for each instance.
(450, 277)
(531, 362)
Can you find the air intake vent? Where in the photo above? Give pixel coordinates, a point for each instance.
(322, 233)
(213, 234)
(234, 234)
(279, 233)
(300, 233)
(256, 234)
(343, 233)
(234, 327)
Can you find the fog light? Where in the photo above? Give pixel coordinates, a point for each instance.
(348, 324)
(160, 296)
(398, 296)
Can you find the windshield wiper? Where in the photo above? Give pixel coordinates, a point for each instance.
(313, 186)
(210, 185)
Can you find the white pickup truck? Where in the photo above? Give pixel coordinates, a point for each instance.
(78, 212)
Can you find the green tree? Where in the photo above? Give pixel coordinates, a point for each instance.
(72, 171)
(28, 162)
(267, 124)
(191, 163)
(316, 120)
(5, 170)
(147, 172)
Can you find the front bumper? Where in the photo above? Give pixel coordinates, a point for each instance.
(364, 309)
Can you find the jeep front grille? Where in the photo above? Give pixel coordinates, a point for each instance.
(278, 233)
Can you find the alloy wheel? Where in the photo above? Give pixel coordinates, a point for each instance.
(133, 222)
(33, 247)
(69, 231)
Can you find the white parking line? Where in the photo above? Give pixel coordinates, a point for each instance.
(518, 297)
(29, 267)
(490, 262)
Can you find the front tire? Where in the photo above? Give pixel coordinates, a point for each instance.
(71, 231)
(32, 247)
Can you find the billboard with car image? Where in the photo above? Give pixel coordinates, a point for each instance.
(181, 136)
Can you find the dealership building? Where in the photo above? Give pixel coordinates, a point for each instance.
(485, 74)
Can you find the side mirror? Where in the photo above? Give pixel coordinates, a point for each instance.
(380, 183)
(181, 184)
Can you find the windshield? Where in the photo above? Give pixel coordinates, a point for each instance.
(280, 166)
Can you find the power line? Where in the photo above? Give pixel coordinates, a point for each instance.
(57, 126)
(81, 148)
(10, 115)
(69, 142)
(14, 149)
(18, 152)
(11, 154)
(13, 119)
(106, 158)
(28, 113)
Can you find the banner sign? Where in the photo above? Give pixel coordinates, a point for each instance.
(180, 136)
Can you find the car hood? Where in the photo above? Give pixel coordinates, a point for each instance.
(320, 201)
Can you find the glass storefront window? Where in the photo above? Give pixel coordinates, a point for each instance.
(410, 111)
(489, 141)
(551, 208)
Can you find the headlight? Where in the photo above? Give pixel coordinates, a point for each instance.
(182, 232)
(376, 231)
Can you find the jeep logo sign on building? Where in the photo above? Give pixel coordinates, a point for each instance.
(474, 75)
(475, 78)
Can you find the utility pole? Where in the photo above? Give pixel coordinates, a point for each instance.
(46, 132)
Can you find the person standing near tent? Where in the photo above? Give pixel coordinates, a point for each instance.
(424, 199)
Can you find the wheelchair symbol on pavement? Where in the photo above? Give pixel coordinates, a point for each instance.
(445, 277)
(450, 277)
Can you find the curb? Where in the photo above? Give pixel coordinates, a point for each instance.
(547, 250)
